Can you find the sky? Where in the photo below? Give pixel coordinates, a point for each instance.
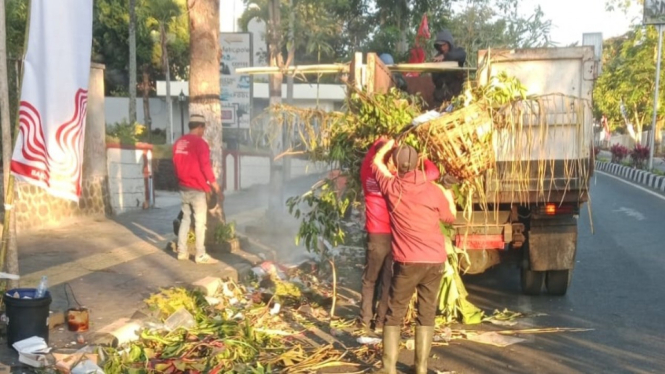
(570, 18)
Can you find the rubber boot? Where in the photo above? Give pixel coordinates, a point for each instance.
(391, 340)
(423, 340)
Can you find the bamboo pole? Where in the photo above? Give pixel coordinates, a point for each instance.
(344, 68)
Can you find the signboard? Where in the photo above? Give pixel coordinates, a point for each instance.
(229, 115)
(654, 12)
(236, 89)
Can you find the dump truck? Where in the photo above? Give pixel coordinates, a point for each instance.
(530, 201)
(529, 205)
(534, 195)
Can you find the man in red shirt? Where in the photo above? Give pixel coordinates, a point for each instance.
(416, 207)
(191, 160)
(378, 257)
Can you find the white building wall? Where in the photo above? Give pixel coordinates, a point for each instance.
(126, 180)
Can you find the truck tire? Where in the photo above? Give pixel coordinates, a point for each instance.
(532, 281)
(557, 281)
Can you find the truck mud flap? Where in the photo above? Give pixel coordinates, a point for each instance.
(552, 247)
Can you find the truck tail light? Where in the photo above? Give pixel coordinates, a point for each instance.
(552, 209)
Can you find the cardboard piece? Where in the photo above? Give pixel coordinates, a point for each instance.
(32, 351)
(65, 362)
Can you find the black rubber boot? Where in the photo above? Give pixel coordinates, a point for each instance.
(423, 340)
(391, 340)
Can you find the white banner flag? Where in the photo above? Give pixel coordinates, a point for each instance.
(54, 94)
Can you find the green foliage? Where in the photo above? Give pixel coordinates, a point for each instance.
(16, 12)
(225, 232)
(498, 24)
(340, 28)
(111, 38)
(124, 132)
(321, 210)
(629, 69)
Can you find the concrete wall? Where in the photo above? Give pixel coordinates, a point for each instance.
(625, 140)
(127, 183)
(117, 110)
(246, 170)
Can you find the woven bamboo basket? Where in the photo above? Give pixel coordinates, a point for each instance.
(461, 141)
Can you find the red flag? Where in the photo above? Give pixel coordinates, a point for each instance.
(417, 53)
(423, 31)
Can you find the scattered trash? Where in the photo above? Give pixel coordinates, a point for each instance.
(493, 338)
(74, 362)
(366, 340)
(275, 309)
(410, 344)
(336, 332)
(32, 351)
(9, 276)
(78, 319)
(502, 323)
(180, 319)
(445, 336)
(87, 367)
(213, 301)
(80, 339)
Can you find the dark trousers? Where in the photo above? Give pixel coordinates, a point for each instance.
(407, 278)
(376, 277)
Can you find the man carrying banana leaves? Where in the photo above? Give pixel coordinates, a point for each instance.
(378, 258)
(416, 207)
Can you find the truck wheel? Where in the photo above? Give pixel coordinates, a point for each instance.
(557, 281)
(532, 281)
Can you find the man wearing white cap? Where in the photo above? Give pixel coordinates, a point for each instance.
(191, 160)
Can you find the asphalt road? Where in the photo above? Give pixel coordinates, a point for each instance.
(618, 290)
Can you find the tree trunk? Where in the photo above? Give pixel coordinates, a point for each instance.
(145, 87)
(167, 73)
(132, 61)
(204, 81)
(9, 251)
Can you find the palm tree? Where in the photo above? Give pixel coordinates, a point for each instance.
(204, 79)
(163, 12)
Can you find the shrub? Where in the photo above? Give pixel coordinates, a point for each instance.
(639, 155)
(124, 132)
(619, 152)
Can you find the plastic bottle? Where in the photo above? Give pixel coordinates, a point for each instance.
(41, 289)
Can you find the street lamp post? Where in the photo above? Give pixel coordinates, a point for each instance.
(181, 99)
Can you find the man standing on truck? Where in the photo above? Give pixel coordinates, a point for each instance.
(191, 160)
(416, 207)
(448, 84)
(378, 257)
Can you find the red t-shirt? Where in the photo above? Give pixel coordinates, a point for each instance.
(416, 206)
(377, 219)
(191, 160)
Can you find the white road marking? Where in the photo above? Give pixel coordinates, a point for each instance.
(631, 213)
(632, 184)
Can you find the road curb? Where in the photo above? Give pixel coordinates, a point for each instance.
(642, 177)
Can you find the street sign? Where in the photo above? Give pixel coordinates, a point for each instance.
(654, 12)
(236, 89)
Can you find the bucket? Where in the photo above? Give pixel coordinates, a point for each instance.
(26, 317)
(78, 319)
